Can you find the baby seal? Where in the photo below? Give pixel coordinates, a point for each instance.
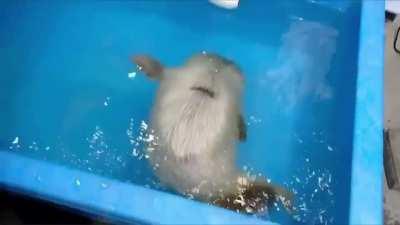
(197, 122)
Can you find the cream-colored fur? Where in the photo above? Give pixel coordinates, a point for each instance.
(197, 134)
(196, 121)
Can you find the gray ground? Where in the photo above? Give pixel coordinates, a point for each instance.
(392, 123)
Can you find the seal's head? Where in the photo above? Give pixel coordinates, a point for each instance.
(214, 74)
(206, 74)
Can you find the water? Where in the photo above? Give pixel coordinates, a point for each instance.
(70, 94)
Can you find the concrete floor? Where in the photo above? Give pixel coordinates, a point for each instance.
(392, 123)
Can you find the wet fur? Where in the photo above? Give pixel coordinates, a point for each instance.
(197, 121)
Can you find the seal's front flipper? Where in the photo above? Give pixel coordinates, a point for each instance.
(150, 66)
(242, 128)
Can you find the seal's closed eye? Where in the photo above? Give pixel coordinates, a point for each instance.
(204, 90)
(242, 128)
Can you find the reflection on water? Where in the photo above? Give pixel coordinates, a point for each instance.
(304, 61)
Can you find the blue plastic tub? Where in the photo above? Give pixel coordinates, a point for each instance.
(73, 110)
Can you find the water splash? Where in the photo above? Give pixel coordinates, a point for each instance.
(15, 144)
(77, 182)
(107, 101)
(97, 142)
(104, 185)
(34, 146)
(253, 120)
(15, 141)
(145, 140)
(131, 75)
(311, 190)
(38, 178)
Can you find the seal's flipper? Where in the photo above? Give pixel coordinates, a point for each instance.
(150, 66)
(257, 197)
(242, 128)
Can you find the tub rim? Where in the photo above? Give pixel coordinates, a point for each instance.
(107, 198)
(366, 196)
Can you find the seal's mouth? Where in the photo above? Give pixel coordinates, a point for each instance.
(204, 90)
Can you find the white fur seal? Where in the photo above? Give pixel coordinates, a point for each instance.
(197, 121)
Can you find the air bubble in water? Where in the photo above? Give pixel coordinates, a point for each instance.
(143, 125)
(77, 182)
(150, 138)
(249, 209)
(107, 101)
(135, 152)
(15, 141)
(131, 75)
